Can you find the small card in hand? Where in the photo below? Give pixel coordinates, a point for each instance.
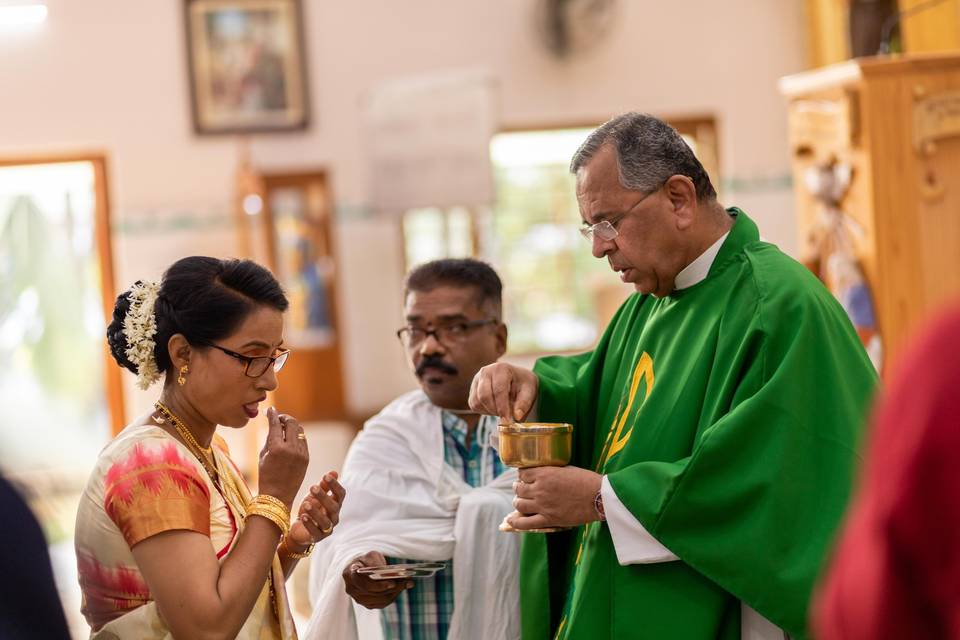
(398, 571)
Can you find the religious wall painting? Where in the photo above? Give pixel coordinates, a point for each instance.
(246, 65)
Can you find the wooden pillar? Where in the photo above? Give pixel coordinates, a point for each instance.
(827, 32)
(936, 28)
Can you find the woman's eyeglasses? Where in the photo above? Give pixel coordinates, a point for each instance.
(255, 366)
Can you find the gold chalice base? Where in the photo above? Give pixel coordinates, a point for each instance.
(507, 528)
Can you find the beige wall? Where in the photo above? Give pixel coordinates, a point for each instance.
(109, 75)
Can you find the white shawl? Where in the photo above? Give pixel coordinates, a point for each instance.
(405, 501)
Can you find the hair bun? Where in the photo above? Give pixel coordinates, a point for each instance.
(115, 338)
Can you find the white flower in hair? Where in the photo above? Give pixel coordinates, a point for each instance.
(139, 327)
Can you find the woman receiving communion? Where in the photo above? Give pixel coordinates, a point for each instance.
(169, 540)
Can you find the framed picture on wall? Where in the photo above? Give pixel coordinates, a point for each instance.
(246, 65)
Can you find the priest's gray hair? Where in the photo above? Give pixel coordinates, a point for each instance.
(649, 152)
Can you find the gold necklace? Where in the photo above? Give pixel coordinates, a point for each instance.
(231, 493)
(162, 408)
(203, 454)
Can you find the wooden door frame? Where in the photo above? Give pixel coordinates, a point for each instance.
(298, 178)
(274, 179)
(113, 382)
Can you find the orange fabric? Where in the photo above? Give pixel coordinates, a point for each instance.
(150, 491)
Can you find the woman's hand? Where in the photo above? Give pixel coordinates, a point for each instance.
(284, 458)
(318, 514)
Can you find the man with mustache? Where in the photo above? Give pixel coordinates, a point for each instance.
(715, 423)
(425, 484)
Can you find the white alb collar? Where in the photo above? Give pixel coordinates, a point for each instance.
(697, 270)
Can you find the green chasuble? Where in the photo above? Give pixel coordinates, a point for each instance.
(726, 417)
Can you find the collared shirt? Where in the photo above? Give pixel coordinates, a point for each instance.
(424, 612)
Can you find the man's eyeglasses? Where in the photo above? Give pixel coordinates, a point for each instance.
(255, 366)
(606, 230)
(447, 334)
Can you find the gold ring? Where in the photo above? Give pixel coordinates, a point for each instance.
(327, 530)
(301, 436)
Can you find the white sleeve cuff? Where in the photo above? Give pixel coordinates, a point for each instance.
(632, 542)
(754, 626)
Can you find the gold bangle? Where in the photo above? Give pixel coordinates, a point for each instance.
(272, 509)
(266, 498)
(269, 502)
(293, 554)
(273, 517)
(283, 514)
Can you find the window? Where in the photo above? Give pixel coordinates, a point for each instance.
(548, 272)
(52, 321)
(434, 233)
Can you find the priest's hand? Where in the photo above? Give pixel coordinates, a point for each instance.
(554, 497)
(504, 390)
(372, 594)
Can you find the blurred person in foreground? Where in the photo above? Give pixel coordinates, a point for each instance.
(896, 567)
(29, 604)
(425, 484)
(715, 422)
(169, 540)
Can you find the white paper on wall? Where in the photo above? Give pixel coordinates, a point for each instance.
(429, 141)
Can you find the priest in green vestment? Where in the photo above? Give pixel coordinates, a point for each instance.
(716, 423)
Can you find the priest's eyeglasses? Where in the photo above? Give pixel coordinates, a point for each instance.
(606, 230)
(255, 366)
(447, 334)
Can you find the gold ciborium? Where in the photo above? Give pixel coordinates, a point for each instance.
(534, 444)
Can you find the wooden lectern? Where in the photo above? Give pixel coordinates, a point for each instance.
(896, 122)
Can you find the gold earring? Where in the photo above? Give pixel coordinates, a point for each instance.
(182, 378)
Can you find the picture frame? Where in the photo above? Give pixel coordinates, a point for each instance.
(247, 65)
